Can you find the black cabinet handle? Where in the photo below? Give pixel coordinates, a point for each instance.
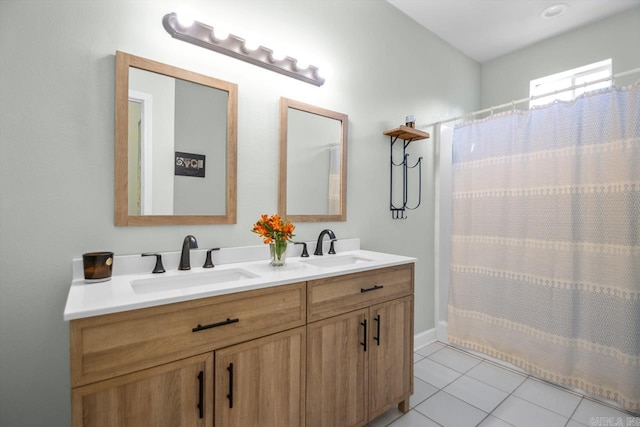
(230, 395)
(373, 288)
(215, 325)
(201, 394)
(377, 319)
(364, 343)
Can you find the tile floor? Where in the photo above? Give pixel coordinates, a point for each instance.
(456, 388)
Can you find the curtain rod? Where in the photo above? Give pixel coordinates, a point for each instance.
(531, 98)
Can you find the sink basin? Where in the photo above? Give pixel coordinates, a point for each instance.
(189, 280)
(335, 261)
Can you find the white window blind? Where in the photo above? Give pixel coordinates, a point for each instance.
(564, 83)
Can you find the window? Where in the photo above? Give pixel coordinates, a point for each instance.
(580, 77)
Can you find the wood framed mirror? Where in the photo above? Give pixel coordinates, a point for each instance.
(312, 183)
(175, 145)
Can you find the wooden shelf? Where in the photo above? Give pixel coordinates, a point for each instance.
(407, 133)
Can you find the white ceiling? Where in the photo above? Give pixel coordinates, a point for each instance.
(487, 29)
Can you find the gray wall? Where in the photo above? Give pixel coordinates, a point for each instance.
(56, 149)
(201, 128)
(507, 78)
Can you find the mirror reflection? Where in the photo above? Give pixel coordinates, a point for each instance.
(179, 116)
(312, 162)
(176, 146)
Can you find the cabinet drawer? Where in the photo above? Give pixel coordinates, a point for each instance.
(115, 344)
(336, 295)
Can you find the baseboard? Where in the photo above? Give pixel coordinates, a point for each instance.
(424, 338)
(439, 333)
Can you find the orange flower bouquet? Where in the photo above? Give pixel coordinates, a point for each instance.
(276, 233)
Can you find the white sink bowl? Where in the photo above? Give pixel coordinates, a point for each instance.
(190, 280)
(330, 261)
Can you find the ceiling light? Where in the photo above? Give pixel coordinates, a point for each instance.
(222, 41)
(554, 11)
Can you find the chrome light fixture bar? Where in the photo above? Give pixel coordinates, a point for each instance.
(204, 36)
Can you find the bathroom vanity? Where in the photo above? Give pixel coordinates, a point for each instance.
(325, 340)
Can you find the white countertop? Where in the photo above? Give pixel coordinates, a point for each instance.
(116, 295)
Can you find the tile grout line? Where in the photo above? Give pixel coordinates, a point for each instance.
(547, 409)
(542, 407)
(619, 409)
(503, 400)
(452, 396)
(559, 386)
(497, 364)
(493, 364)
(525, 377)
(574, 412)
(449, 367)
(471, 404)
(464, 374)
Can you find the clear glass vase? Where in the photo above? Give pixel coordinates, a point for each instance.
(278, 250)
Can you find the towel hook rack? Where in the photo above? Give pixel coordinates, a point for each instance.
(407, 135)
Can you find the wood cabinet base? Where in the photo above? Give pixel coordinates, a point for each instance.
(360, 362)
(333, 352)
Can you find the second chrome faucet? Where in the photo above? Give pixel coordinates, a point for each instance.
(189, 243)
(333, 238)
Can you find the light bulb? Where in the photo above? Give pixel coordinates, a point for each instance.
(251, 45)
(324, 72)
(278, 55)
(220, 33)
(301, 64)
(185, 19)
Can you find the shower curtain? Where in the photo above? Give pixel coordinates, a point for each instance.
(545, 249)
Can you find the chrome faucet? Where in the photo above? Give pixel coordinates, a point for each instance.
(189, 242)
(332, 236)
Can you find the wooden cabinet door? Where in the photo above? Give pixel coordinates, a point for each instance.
(171, 395)
(261, 382)
(336, 371)
(391, 356)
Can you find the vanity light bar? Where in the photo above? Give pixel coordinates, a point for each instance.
(203, 35)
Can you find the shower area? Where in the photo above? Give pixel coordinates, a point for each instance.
(538, 240)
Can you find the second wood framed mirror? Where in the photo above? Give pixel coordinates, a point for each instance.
(313, 163)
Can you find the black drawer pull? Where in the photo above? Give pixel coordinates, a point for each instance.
(215, 325)
(364, 343)
(373, 288)
(230, 395)
(201, 394)
(377, 319)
